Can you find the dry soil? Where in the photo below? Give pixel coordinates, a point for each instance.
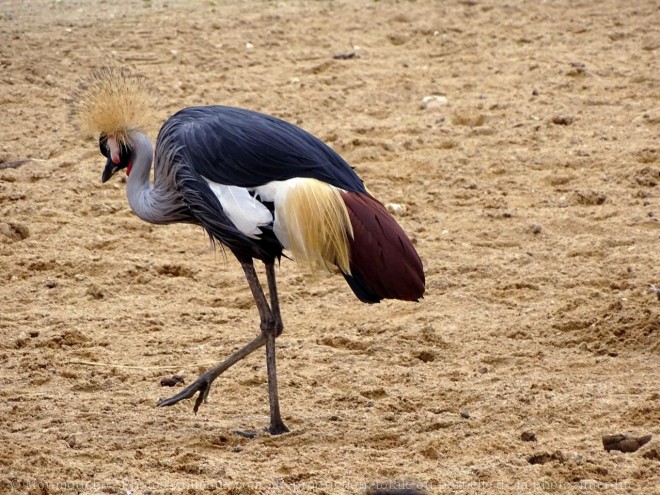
(531, 187)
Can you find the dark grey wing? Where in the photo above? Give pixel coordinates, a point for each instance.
(243, 148)
(204, 206)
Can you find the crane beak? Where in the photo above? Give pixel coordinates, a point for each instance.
(110, 169)
(113, 165)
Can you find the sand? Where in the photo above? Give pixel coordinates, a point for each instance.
(530, 182)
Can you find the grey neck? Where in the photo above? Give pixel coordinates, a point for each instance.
(161, 202)
(141, 195)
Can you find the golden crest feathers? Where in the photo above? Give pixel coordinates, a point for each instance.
(114, 101)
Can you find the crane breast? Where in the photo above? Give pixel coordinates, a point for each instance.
(245, 212)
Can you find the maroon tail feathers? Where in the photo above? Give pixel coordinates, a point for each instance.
(384, 263)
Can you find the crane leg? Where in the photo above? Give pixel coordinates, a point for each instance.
(203, 382)
(277, 426)
(274, 300)
(271, 326)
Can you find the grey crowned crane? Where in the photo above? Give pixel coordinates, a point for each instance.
(257, 185)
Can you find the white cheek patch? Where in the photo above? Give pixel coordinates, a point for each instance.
(245, 212)
(114, 149)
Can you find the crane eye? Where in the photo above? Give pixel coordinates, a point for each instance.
(103, 145)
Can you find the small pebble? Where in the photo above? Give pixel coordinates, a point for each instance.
(536, 229)
(465, 415)
(434, 101)
(624, 443)
(95, 291)
(545, 457)
(396, 208)
(246, 434)
(528, 436)
(18, 231)
(562, 120)
(655, 290)
(171, 381)
(425, 356)
(345, 56)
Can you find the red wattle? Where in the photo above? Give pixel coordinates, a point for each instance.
(128, 169)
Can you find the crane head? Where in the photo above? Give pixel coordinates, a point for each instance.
(113, 103)
(118, 154)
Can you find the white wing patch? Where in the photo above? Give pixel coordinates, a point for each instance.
(245, 212)
(276, 192)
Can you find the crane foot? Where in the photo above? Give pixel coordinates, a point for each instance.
(203, 382)
(277, 428)
(201, 385)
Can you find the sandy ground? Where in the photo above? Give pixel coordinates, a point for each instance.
(531, 190)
